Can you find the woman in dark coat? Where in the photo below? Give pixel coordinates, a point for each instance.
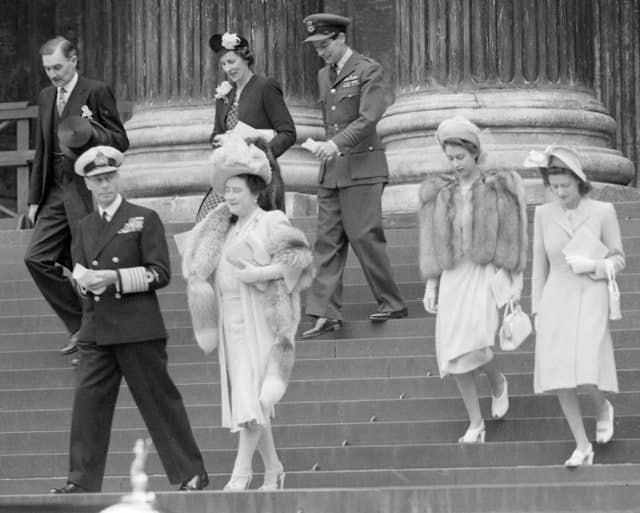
(252, 99)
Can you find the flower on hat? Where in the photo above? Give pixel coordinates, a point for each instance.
(537, 159)
(86, 112)
(223, 90)
(230, 41)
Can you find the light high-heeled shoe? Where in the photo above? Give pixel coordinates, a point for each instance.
(579, 458)
(238, 483)
(273, 480)
(604, 428)
(500, 404)
(474, 435)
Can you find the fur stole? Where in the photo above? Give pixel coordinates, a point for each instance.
(287, 245)
(496, 232)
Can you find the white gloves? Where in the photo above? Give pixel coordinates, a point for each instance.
(429, 300)
(580, 264)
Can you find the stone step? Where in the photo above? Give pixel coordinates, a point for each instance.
(354, 337)
(511, 498)
(383, 400)
(338, 435)
(199, 371)
(497, 454)
(187, 351)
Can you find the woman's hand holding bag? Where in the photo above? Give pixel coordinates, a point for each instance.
(516, 327)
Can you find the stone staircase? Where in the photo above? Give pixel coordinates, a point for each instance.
(366, 425)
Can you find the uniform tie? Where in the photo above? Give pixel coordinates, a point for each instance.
(62, 100)
(105, 217)
(333, 73)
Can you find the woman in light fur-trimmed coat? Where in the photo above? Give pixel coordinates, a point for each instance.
(258, 263)
(473, 244)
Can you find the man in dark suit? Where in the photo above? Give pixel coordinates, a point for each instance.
(353, 173)
(121, 258)
(58, 198)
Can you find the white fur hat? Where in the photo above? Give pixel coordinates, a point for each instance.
(235, 157)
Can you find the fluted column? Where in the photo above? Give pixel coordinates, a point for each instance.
(174, 78)
(521, 69)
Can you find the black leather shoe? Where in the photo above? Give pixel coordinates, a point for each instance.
(323, 325)
(385, 315)
(71, 347)
(68, 488)
(197, 482)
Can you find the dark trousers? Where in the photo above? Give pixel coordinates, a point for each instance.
(66, 202)
(350, 215)
(144, 367)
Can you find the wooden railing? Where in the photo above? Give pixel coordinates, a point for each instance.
(21, 157)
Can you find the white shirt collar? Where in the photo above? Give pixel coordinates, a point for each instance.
(343, 60)
(111, 209)
(69, 86)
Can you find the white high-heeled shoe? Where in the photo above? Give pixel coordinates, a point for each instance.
(238, 482)
(474, 435)
(579, 458)
(500, 404)
(604, 428)
(273, 480)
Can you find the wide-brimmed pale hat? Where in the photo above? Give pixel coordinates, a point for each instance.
(235, 157)
(98, 160)
(557, 156)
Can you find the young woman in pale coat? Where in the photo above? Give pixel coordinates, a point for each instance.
(570, 299)
(258, 263)
(473, 244)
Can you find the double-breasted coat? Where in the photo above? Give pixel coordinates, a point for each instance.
(573, 342)
(123, 334)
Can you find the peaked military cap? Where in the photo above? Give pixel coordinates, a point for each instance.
(322, 26)
(98, 160)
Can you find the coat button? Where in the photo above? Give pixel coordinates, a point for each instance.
(115, 260)
(333, 107)
(370, 148)
(96, 298)
(94, 263)
(333, 91)
(117, 295)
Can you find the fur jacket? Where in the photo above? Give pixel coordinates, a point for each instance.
(496, 231)
(288, 246)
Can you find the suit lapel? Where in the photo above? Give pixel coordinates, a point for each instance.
(106, 233)
(581, 214)
(76, 100)
(47, 114)
(227, 105)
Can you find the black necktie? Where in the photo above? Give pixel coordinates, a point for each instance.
(105, 219)
(333, 73)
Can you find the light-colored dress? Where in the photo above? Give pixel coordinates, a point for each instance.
(246, 337)
(573, 343)
(467, 317)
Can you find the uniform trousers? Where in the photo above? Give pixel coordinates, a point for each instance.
(144, 367)
(350, 215)
(65, 204)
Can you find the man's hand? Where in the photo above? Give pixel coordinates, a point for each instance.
(98, 281)
(325, 150)
(32, 213)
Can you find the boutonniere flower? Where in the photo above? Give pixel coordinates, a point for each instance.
(86, 112)
(223, 90)
(230, 41)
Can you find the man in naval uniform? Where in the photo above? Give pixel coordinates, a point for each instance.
(121, 257)
(353, 173)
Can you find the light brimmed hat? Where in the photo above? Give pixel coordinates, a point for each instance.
(322, 26)
(557, 156)
(98, 160)
(235, 157)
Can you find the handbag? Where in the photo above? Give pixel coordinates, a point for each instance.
(614, 293)
(516, 327)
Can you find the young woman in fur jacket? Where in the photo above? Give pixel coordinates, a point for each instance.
(245, 267)
(472, 253)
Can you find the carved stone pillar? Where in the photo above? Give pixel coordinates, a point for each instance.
(175, 75)
(521, 69)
